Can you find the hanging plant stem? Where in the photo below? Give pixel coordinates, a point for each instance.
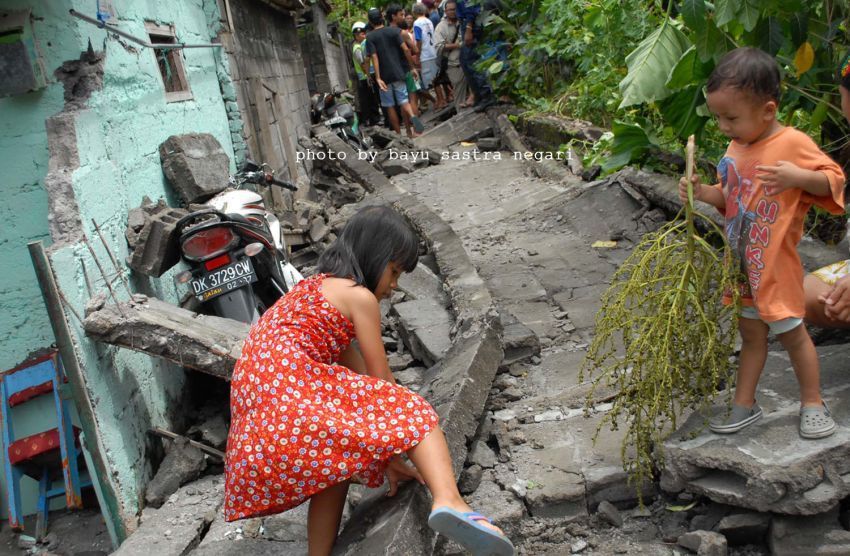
(664, 338)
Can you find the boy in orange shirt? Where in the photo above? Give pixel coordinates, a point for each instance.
(769, 178)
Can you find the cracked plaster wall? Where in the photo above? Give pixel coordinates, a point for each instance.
(105, 160)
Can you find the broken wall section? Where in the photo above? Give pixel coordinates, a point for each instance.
(104, 153)
(267, 70)
(324, 57)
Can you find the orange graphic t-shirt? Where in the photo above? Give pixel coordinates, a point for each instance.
(763, 230)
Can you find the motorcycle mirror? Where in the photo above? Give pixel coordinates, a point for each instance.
(183, 277)
(253, 249)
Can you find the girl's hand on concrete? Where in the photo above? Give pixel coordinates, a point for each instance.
(399, 471)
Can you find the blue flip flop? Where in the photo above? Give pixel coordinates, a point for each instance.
(465, 529)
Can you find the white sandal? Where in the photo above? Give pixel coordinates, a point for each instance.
(816, 422)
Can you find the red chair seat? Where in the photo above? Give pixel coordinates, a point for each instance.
(29, 393)
(31, 446)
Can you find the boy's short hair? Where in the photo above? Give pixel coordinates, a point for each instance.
(749, 69)
(844, 72)
(419, 9)
(392, 9)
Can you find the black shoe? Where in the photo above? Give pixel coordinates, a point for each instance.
(485, 104)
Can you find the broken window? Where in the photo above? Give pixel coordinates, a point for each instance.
(170, 62)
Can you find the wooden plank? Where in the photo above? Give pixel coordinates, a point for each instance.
(203, 343)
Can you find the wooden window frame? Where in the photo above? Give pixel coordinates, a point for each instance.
(156, 33)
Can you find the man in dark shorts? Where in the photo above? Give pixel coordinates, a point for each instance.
(387, 50)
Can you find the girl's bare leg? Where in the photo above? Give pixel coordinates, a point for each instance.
(323, 519)
(432, 460)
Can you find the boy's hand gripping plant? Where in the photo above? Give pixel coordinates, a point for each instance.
(663, 337)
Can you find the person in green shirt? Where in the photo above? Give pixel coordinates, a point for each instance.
(367, 92)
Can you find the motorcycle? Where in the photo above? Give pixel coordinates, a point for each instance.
(340, 118)
(239, 260)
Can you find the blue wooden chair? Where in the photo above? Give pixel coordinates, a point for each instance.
(46, 455)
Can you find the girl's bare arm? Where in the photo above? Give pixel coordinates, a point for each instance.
(366, 317)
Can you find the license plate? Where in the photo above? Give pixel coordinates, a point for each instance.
(224, 279)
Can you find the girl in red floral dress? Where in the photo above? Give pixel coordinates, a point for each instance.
(311, 413)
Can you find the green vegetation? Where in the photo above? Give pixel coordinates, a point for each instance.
(639, 67)
(663, 337)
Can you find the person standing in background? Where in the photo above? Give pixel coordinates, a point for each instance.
(367, 93)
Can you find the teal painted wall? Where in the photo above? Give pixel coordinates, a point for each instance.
(118, 132)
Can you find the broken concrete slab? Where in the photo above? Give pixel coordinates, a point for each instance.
(549, 169)
(704, 543)
(424, 326)
(182, 463)
(422, 283)
(502, 506)
(808, 536)
(178, 526)
(195, 166)
(519, 341)
(744, 528)
(395, 167)
(467, 126)
(768, 466)
(457, 387)
(200, 342)
(254, 547)
(213, 431)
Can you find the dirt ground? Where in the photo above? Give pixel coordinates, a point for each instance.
(79, 533)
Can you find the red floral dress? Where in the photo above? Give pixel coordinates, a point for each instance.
(300, 423)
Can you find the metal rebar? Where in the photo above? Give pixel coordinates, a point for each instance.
(105, 279)
(142, 42)
(67, 304)
(87, 279)
(112, 258)
(174, 436)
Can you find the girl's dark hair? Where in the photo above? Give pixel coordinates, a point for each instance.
(749, 69)
(844, 72)
(371, 239)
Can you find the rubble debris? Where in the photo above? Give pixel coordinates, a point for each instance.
(152, 237)
(744, 528)
(424, 326)
(769, 468)
(200, 342)
(183, 463)
(423, 283)
(399, 362)
(489, 144)
(202, 447)
(704, 543)
(812, 536)
(180, 524)
(519, 341)
(470, 479)
(467, 126)
(610, 513)
(195, 166)
(395, 167)
(482, 455)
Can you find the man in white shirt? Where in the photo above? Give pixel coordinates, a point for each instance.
(423, 32)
